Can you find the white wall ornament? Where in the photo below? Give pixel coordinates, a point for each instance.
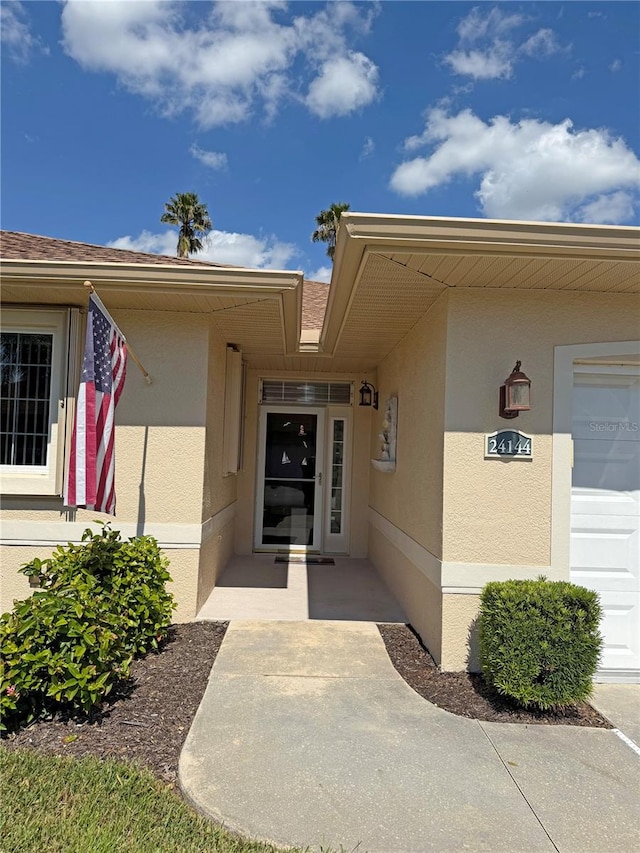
(386, 462)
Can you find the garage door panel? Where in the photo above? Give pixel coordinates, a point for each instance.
(606, 407)
(605, 509)
(622, 640)
(595, 503)
(606, 464)
(604, 557)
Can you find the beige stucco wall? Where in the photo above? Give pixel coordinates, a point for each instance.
(14, 586)
(472, 513)
(215, 552)
(411, 496)
(183, 568)
(460, 633)
(160, 455)
(359, 486)
(420, 598)
(160, 428)
(495, 511)
(219, 491)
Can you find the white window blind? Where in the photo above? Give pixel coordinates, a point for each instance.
(311, 393)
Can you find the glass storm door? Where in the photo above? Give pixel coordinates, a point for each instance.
(289, 512)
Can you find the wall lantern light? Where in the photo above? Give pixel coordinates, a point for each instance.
(515, 394)
(368, 395)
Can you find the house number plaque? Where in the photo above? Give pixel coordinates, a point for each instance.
(509, 444)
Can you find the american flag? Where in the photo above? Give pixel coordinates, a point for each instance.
(90, 478)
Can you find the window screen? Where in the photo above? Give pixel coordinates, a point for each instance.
(25, 392)
(312, 393)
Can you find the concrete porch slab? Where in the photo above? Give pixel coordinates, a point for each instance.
(256, 587)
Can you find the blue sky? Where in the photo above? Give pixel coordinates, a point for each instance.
(272, 111)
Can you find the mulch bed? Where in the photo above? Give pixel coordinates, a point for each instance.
(147, 720)
(466, 694)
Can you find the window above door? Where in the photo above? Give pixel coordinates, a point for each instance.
(303, 392)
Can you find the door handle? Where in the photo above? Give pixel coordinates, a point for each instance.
(320, 478)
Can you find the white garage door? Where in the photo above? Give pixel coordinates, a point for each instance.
(605, 508)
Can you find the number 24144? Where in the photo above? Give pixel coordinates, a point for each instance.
(510, 447)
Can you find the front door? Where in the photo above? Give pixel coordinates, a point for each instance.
(605, 508)
(289, 508)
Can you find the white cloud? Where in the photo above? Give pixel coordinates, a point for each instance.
(154, 244)
(616, 65)
(614, 209)
(321, 274)
(368, 148)
(221, 247)
(579, 73)
(527, 170)
(343, 85)
(17, 39)
(496, 61)
(492, 24)
(542, 43)
(212, 159)
(222, 63)
(488, 47)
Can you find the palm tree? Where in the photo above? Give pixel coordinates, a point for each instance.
(328, 222)
(187, 211)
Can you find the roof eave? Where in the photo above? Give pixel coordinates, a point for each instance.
(361, 234)
(151, 277)
(158, 279)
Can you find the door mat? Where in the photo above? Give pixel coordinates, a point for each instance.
(303, 558)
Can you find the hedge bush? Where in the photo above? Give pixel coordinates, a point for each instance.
(102, 603)
(540, 641)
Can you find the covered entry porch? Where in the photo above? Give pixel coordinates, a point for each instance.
(257, 587)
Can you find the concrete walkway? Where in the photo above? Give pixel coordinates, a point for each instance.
(306, 735)
(620, 704)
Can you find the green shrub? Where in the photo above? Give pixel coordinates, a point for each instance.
(539, 641)
(58, 649)
(102, 602)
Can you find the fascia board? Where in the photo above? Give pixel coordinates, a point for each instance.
(464, 236)
(153, 278)
(347, 269)
(291, 312)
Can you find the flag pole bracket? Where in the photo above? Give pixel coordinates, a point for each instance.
(130, 351)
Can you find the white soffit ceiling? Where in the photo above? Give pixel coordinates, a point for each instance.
(530, 273)
(256, 328)
(389, 300)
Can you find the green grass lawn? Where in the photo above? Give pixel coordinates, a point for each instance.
(64, 805)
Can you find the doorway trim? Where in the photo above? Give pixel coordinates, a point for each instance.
(318, 523)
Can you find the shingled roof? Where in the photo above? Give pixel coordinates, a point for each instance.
(17, 245)
(314, 304)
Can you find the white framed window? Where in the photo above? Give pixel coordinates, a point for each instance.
(34, 361)
(337, 501)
